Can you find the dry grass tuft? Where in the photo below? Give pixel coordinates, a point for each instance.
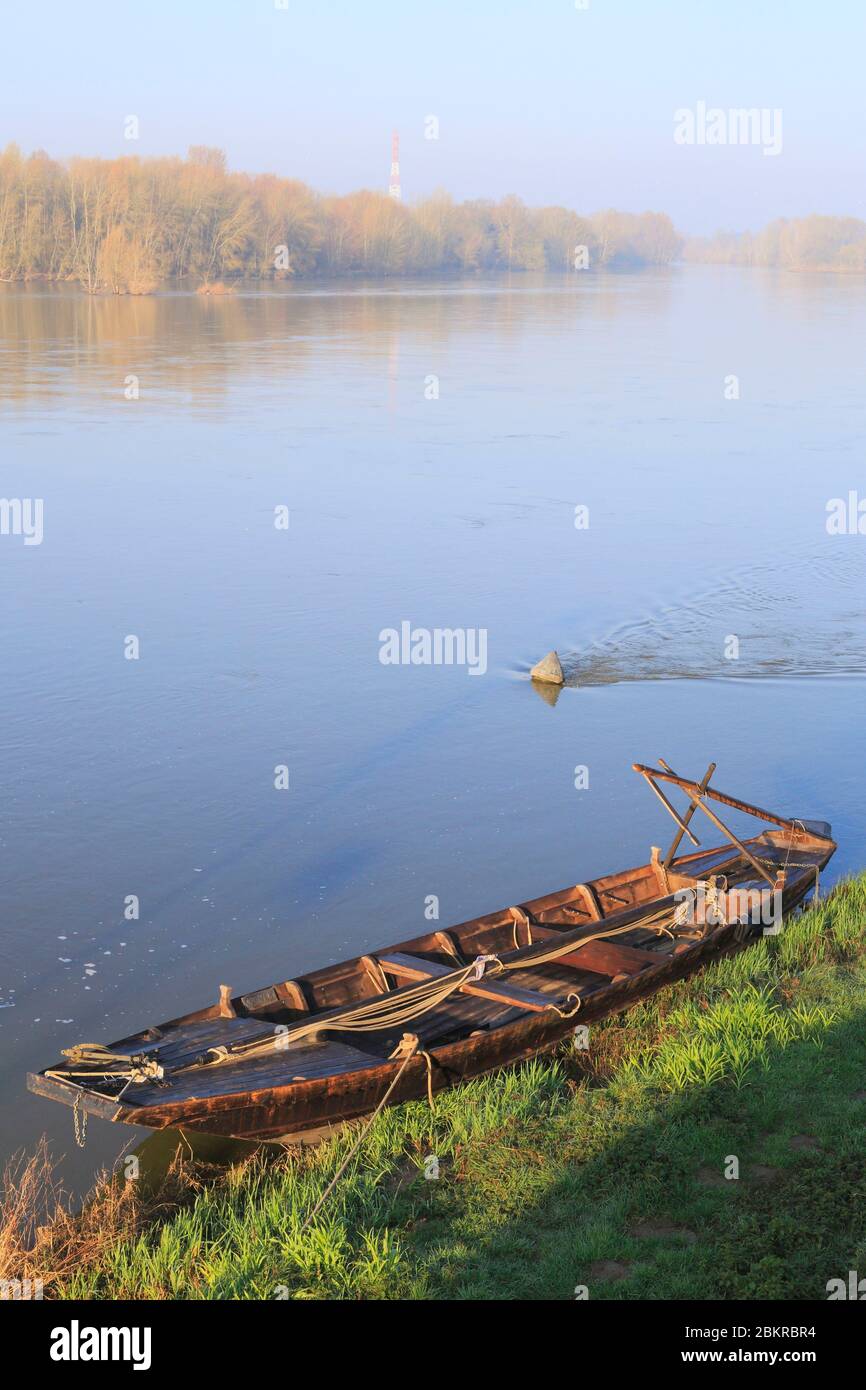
(44, 1237)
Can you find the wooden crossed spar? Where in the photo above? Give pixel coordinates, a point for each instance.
(698, 791)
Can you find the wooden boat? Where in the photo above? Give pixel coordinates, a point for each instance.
(292, 1060)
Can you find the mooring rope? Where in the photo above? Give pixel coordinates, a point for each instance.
(408, 1047)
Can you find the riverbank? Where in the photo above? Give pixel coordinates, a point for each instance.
(707, 1144)
(127, 225)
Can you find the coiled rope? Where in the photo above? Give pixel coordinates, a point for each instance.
(101, 1062)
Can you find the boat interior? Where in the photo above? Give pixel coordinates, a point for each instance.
(638, 900)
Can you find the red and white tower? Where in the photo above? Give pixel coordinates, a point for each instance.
(394, 190)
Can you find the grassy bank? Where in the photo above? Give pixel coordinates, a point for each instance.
(603, 1168)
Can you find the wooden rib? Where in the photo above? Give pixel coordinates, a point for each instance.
(448, 945)
(294, 995)
(659, 869)
(590, 896)
(226, 1007)
(602, 957)
(668, 859)
(376, 973)
(414, 968)
(672, 810)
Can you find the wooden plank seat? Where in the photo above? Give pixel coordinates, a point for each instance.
(406, 967)
(609, 958)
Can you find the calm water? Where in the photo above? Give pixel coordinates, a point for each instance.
(260, 647)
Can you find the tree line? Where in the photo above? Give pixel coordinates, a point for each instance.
(127, 225)
(802, 243)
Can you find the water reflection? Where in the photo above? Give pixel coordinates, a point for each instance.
(189, 347)
(547, 692)
(157, 1153)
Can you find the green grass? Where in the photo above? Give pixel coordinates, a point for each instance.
(615, 1154)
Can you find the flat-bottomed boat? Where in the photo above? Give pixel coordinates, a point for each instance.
(302, 1056)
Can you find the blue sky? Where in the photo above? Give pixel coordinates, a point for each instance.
(541, 99)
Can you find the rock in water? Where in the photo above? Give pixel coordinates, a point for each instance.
(548, 669)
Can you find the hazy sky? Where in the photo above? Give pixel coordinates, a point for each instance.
(537, 98)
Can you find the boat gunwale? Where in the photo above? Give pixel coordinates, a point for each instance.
(543, 902)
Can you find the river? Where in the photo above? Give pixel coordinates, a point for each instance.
(240, 495)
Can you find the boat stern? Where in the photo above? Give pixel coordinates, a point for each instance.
(77, 1096)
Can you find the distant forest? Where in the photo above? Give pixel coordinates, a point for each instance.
(803, 243)
(127, 225)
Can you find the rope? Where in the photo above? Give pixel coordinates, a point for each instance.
(569, 1013)
(569, 948)
(408, 1047)
(114, 1066)
(102, 1062)
(379, 1015)
(521, 919)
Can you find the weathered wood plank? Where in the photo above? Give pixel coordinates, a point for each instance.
(600, 957)
(414, 968)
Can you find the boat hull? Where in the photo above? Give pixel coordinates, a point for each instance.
(300, 1058)
(310, 1110)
